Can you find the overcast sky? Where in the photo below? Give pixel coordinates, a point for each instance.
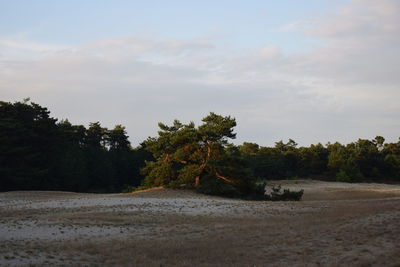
(312, 70)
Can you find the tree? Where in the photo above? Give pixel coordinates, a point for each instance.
(118, 140)
(248, 148)
(290, 156)
(391, 155)
(70, 169)
(28, 138)
(39, 153)
(190, 157)
(119, 155)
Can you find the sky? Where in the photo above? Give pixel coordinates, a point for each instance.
(312, 70)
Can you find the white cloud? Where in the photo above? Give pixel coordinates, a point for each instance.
(298, 25)
(270, 51)
(17, 48)
(346, 89)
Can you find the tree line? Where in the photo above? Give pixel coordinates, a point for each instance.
(38, 152)
(360, 161)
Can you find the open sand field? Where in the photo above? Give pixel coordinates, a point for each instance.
(336, 224)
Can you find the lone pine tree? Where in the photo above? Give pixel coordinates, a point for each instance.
(200, 157)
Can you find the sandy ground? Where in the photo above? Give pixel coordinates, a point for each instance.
(336, 224)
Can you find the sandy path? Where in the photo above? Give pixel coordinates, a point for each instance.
(336, 224)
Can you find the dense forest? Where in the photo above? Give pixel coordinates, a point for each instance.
(39, 152)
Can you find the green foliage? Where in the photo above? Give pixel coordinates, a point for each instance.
(216, 187)
(287, 195)
(158, 173)
(201, 158)
(349, 173)
(249, 148)
(28, 137)
(186, 176)
(37, 152)
(342, 176)
(364, 160)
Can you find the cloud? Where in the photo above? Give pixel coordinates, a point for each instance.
(298, 25)
(362, 43)
(345, 89)
(17, 48)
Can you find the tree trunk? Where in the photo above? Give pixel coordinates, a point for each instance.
(226, 179)
(197, 181)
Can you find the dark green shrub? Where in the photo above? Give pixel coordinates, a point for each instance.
(342, 176)
(212, 186)
(349, 174)
(256, 192)
(286, 195)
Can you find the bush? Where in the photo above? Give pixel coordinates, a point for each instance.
(212, 186)
(255, 192)
(342, 176)
(286, 195)
(349, 174)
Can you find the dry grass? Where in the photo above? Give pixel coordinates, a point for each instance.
(335, 227)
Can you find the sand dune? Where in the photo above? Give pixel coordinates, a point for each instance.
(335, 224)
